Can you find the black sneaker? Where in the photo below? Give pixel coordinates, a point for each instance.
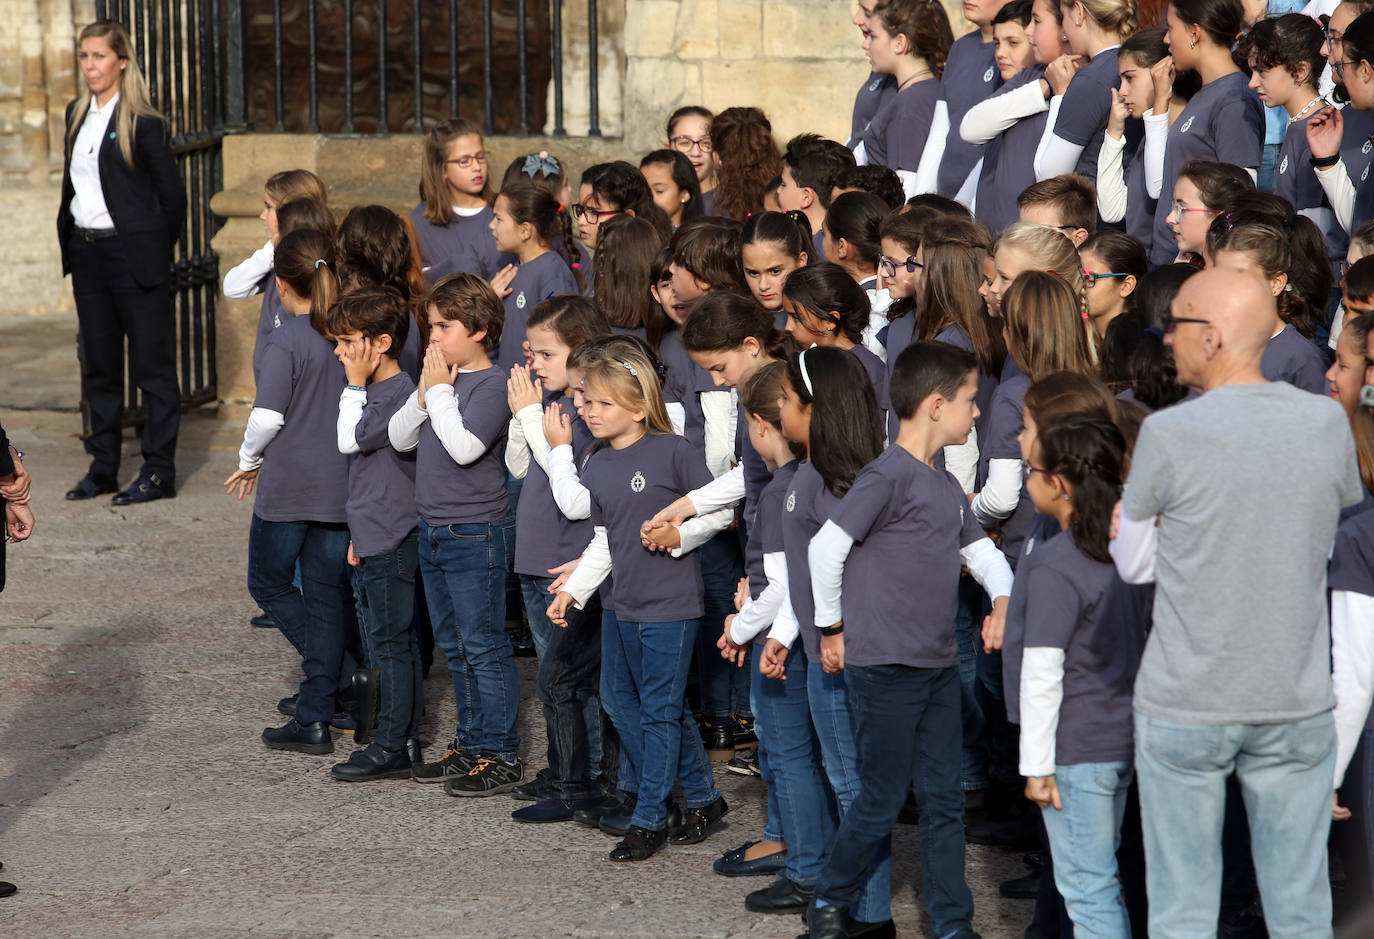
(745, 763)
(744, 731)
(455, 760)
(490, 776)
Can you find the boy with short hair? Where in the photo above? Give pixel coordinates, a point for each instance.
(369, 328)
(810, 166)
(1067, 202)
(901, 661)
(465, 542)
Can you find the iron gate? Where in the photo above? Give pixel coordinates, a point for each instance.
(179, 46)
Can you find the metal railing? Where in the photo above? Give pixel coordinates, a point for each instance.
(378, 67)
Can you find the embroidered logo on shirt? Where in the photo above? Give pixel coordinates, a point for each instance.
(520, 300)
(637, 481)
(791, 501)
(987, 76)
(1187, 124)
(1367, 145)
(1364, 174)
(1283, 167)
(873, 85)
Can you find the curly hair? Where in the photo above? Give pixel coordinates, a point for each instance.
(749, 159)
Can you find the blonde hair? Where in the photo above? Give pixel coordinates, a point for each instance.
(625, 373)
(133, 90)
(290, 185)
(1115, 16)
(1049, 250)
(433, 182)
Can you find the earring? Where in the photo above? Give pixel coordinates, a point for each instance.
(1191, 44)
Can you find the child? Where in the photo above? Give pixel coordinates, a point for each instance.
(873, 93)
(1113, 265)
(253, 275)
(545, 170)
(900, 274)
(1066, 202)
(970, 76)
(454, 211)
(1027, 247)
(526, 221)
(851, 240)
(626, 249)
(674, 184)
(1202, 192)
(901, 671)
(689, 133)
(772, 246)
(1361, 245)
(369, 327)
(1084, 631)
(910, 42)
(1339, 138)
(545, 539)
(657, 598)
(1094, 29)
(826, 308)
(810, 166)
(879, 180)
(456, 421)
(1223, 122)
(376, 249)
(1153, 378)
(299, 518)
(609, 189)
(746, 160)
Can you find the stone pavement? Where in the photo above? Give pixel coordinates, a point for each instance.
(136, 798)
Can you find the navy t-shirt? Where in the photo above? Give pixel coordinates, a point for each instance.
(684, 380)
(1001, 443)
(1140, 208)
(449, 494)
(897, 134)
(464, 246)
(955, 335)
(270, 318)
(1087, 103)
(756, 474)
(1357, 151)
(535, 281)
(1296, 180)
(765, 534)
(1291, 358)
(970, 76)
(1042, 529)
(304, 477)
(381, 481)
(1224, 123)
(1083, 607)
(1352, 562)
(877, 373)
(628, 486)
(544, 536)
(900, 597)
(901, 332)
(801, 519)
(1009, 161)
(876, 90)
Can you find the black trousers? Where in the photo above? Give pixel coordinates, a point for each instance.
(110, 306)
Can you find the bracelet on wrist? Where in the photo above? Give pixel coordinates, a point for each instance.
(1322, 163)
(356, 388)
(835, 630)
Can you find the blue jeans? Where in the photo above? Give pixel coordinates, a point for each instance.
(1285, 774)
(617, 694)
(837, 732)
(723, 689)
(316, 619)
(1084, 838)
(384, 589)
(658, 656)
(537, 599)
(800, 802)
(968, 628)
(464, 567)
(909, 737)
(1264, 178)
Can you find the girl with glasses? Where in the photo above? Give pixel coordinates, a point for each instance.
(1203, 191)
(452, 218)
(689, 133)
(1113, 264)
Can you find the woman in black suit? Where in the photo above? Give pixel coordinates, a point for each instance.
(123, 206)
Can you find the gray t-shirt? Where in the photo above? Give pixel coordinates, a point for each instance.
(1247, 482)
(1081, 606)
(381, 481)
(1352, 560)
(897, 134)
(1291, 358)
(1002, 442)
(1042, 529)
(1009, 160)
(464, 245)
(270, 318)
(449, 494)
(876, 90)
(304, 477)
(627, 486)
(544, 536)
(801, 519)
(900, 590)
(535, 281)
(683, 381)
(765, 535)
(970, 76)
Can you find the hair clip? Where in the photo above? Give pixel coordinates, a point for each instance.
(541, 164)
(806, 378)
(796, 215)
(319, 261)
(629, 368)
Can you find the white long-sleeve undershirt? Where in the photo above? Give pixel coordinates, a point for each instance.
(351, 402)
(761, 612)
(1042, 691)
(525, 441)
(441, 410)
(992, 116)
(262, 428)
(1000, 493)
(1156, 137)
(245, 278)
(961, 460)
(1111, 179)
(1352, 672)
(1133, 549)
(573, 499)
(928, 170)
(591, 569)
(1340, 191)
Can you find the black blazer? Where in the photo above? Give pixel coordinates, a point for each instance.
(147, 203)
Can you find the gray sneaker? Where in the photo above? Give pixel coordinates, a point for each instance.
(455, 761)
(491, 775)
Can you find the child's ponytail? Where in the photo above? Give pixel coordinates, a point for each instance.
(1089, 453)
(789, 231)
(305, 262)
(830, 295)
(532, 204)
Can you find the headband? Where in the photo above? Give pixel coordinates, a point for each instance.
(629, 368)
(806, 378)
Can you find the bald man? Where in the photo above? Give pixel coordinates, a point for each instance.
(1230, 509)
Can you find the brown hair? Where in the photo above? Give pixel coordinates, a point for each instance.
(304, 260)
(743, 142)
(1072, 195)
(374, 312)
(1218, 184)
(574, 320)
(709, 248)
(720, 322)
(290, 185)
(1044, 326)
(925, 25)
(305, 213)
(1115, 16)
(954, 251)
(1362, 418)
(688, 110)
(374, 250)
(1272, 251)
(630, 378)
(468, 299)
(626, 247)
(759, 394)
(1059, 393)
(532, 204)
(133, 91)
(434, 192)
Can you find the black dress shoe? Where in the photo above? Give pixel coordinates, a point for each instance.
(854, 929)
(639, 844)
(287, 705)
(302, 738)
(7, 889)
(550, 810)
(89, 488)
(147, 488)
(826, 922)
(718, 739)
(618, 825)
(696, 823)
(781, 896)
(373, 763)
(737, 866)
(596, 810)
(262, 621)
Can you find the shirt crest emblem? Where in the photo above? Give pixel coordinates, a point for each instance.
(520, 300)
(1365, 174)
(1187, 124)
(637, 481)
(1283, 167)
(791, 501)
(873, 85)
(987, 76)
(1368, 145)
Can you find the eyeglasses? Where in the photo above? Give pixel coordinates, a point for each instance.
(1180, 208)
(684, 144)
(582, 213)
(888, 266)
(1171, 322)
(465, 162)
(1090, 278)
(1339, 66)
(1027, 471)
